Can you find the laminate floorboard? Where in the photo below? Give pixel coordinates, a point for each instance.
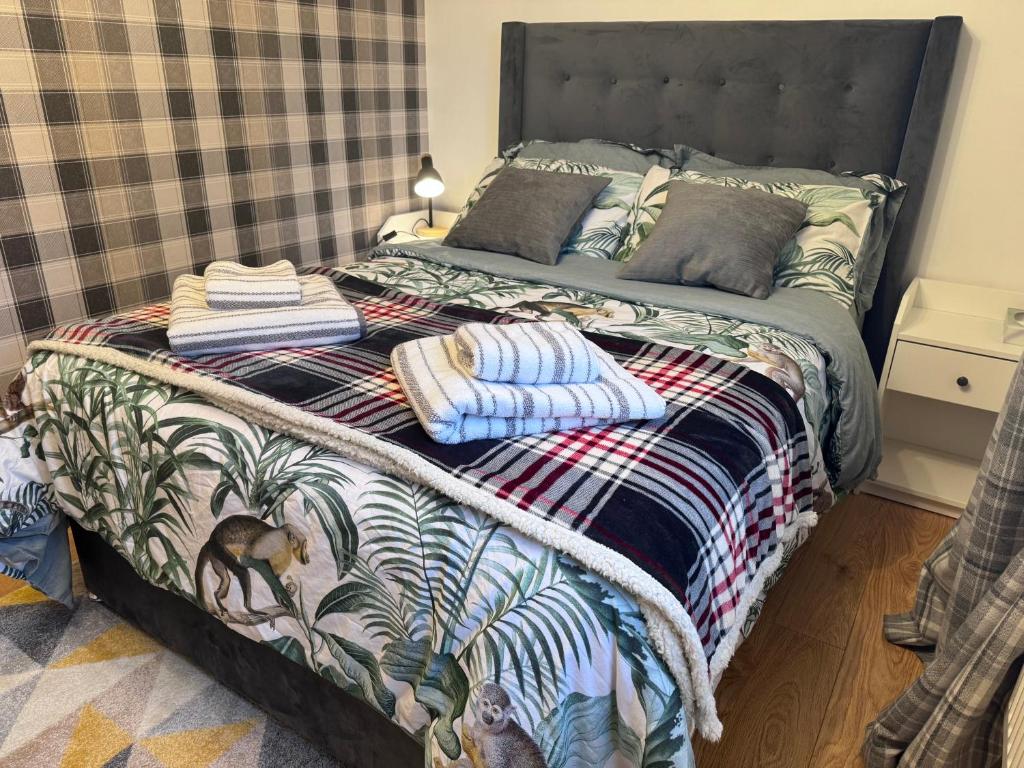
(816, 669)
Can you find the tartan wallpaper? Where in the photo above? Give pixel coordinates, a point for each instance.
(141, 139)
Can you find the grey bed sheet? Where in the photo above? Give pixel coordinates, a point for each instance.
(853, 449)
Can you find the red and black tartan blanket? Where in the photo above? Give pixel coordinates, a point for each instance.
(697, 499)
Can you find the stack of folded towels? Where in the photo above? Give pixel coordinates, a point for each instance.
(496, 381)
(234, 308)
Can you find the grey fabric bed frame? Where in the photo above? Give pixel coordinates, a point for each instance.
(833, 95)
(824, 94)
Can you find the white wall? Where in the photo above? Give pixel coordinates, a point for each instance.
(970, 228)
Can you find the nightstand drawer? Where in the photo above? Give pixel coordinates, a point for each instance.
(936, 372)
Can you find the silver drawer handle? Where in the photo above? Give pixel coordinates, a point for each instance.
(963, 382)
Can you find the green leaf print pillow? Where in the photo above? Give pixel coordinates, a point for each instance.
(823, 255)
(601, 229)
(646, 209)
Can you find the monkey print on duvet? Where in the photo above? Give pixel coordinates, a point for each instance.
(493, 650)
(488, 647)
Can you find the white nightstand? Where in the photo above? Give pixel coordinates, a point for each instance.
(945, 378)
(410, 226)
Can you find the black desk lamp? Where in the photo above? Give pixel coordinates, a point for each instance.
(429, 185)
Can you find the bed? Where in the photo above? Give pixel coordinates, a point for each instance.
(408, 605)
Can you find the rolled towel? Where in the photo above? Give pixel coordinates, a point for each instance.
(527, 353)
(230, 285)
(323, 317)
(454, 407)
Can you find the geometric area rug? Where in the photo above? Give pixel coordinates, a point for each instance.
(84, 689)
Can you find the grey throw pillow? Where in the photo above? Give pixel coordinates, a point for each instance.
(527, 213)
(868, 266)
(719, 236)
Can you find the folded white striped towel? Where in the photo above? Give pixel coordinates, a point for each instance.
(323, 317)
(230, 285)
(454, 407)
(527, 353)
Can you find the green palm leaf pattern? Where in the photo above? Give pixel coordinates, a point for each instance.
(594, 241)
(415, 601)
(799, 268)
(451, 286)
(360, 666)
(471, 606)
(116, 469)
(602, 230)
(597, 732)
(644, 211)
(664, 741)
(263, 469)
(884, 183)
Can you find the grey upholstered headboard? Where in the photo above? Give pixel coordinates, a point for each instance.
(835, 95)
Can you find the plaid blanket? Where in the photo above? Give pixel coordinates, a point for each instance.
(966, 623)
(697, 499)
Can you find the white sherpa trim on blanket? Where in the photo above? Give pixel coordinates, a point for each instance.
(670, 628)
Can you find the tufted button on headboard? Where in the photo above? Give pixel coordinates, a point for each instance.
(833, 95)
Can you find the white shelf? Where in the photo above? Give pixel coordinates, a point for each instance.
(966, 333)
(409, 226)
(941, 482)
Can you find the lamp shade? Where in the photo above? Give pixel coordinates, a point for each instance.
(428, 181)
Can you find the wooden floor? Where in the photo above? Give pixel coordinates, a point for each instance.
(816, 669)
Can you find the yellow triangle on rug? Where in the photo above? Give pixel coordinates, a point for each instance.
(23, 596)
(105, 694)
(95, 740)
(117, 642)
(196, 748)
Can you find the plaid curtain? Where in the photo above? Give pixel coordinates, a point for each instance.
(141, 139)
(967, 622)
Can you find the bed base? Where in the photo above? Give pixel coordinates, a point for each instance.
(345, 727)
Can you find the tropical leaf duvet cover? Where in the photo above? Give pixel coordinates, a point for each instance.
(473, 637)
